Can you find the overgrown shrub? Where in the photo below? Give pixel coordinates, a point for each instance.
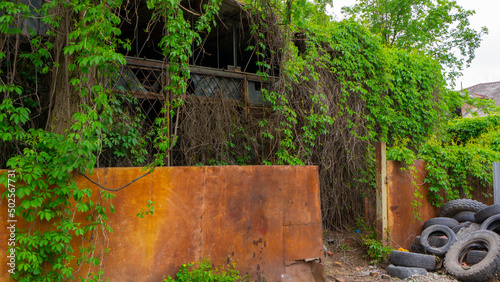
(375, 249)
(461, 160)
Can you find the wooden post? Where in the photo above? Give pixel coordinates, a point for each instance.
(381, 177)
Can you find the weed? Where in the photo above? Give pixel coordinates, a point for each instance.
(376, 250)
(205, 272)
(345, 247)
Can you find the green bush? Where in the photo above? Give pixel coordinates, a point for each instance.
(205, 272)
(375, 250)
(461, 159)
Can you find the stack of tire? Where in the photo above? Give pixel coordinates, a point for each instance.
(464, 239)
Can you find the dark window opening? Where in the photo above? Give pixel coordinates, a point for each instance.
(224, 47)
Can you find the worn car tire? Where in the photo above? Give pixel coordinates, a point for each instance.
(468, 230)
(417, 241)
(437, 230)
(487, 212)
(408, 259)
(438, 240)
(403, 272)
(446, 221)
(453, 207)
(464, 216)
(414, 248)
(484, 270)
(462, 225)
(492, 223)
(475, 256)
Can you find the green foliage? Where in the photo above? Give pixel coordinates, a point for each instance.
(403, 90)
(361, 224)
(345, 247)
(176, 45)
(463, 130)
(205, 272)
(150, 209)
(376, 250)
(46, 162)
(440, 28)
(477, 106)
(490, 139)
(461, 159)
(77, 48)
(47, 192)
(399, 152)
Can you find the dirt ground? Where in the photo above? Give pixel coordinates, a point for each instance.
(349, 262)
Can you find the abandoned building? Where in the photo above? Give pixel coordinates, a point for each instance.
(221, 68)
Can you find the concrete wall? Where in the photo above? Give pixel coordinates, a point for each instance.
(266, 218)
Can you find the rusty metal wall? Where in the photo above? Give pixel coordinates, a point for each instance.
(266, 218)
(402, 225)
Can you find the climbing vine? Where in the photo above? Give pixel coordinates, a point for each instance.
(461, 160)
(340, 90)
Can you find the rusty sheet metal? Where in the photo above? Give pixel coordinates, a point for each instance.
(403, 227)
(402, 224)
(265, 218)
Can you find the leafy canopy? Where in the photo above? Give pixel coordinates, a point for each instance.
(439, 27)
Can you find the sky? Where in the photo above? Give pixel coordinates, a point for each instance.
(486, 65)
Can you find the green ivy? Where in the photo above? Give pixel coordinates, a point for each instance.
(461, 160)
(48, 192)
(46, 162)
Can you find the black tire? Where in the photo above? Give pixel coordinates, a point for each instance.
(485, 213)
(484, 270)
(468, 230)
(438, 240)
(417, 241)
(462, 225)
(475, 256)
(446, 221)
(437, 230)
(403, 272)
(408, 259)
(453, 207)
(417, 249)
(492, 223)
(464, 216)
